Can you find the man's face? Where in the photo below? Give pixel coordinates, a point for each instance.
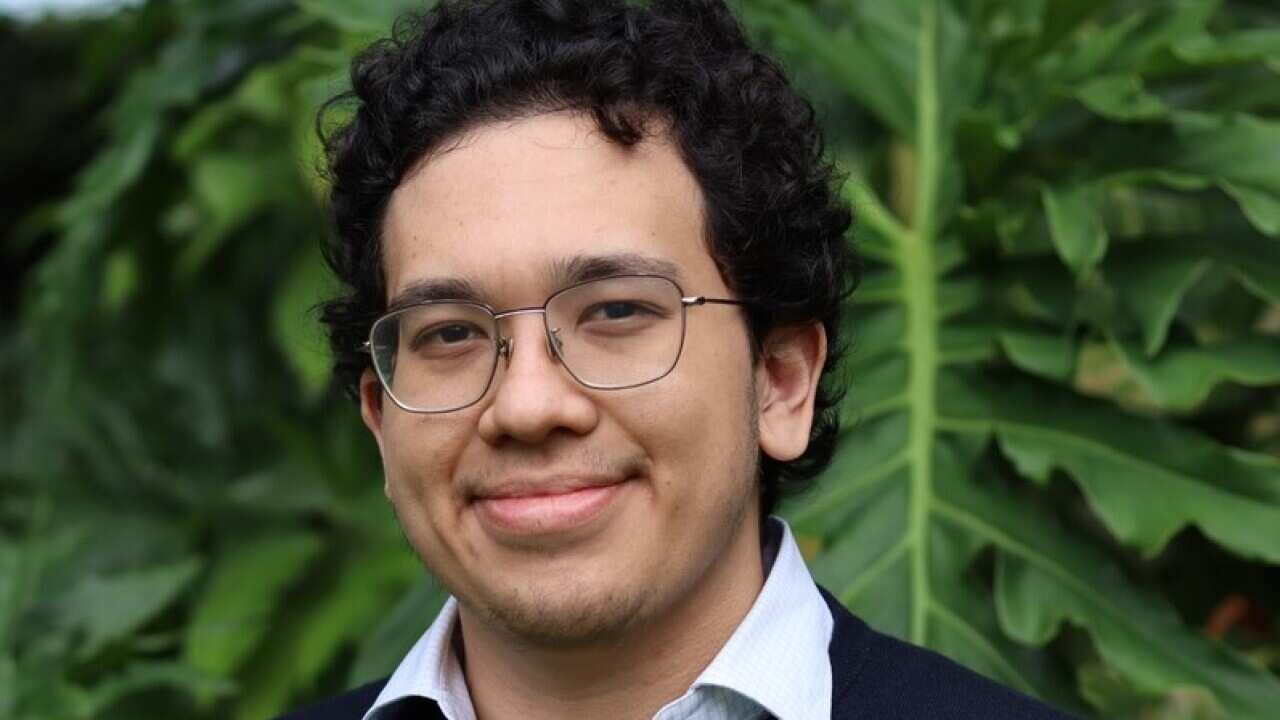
(502, 210)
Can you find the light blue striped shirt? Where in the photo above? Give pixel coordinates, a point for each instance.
(775, 662)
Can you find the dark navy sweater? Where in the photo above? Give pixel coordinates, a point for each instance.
(873, 677)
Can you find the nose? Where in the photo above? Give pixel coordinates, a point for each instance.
(533, 396)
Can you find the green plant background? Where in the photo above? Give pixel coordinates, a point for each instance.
(1061, 461)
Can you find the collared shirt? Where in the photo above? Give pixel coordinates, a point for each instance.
(775, 662)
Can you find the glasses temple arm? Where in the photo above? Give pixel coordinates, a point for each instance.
(703, 300)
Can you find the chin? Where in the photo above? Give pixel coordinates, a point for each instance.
(566, 613)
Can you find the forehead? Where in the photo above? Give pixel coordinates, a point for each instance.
(509, 204)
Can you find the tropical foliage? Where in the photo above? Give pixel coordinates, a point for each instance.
(1061, 461)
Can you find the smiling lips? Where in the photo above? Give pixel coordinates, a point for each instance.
(545, 508)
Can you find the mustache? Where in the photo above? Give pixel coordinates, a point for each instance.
(583, 463)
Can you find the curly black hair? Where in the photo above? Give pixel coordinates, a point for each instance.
(776, 222)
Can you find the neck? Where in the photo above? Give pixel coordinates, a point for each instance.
(622, 678)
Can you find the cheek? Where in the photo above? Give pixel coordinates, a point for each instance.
(696, 423)
(419, 471)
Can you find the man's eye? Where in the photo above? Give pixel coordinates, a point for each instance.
(447, 335)
(616, 310)
(454, 333)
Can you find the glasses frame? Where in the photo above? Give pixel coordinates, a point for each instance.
(505, 345)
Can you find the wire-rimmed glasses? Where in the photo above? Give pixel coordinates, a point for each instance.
(611, 333)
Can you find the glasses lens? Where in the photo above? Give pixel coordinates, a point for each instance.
(436, 357)
(618, 332)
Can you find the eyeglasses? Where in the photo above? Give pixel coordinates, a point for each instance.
(610, 334)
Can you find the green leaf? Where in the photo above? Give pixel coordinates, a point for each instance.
(203, 129)
(1015, 19)
(870, 454)
(883, 554)
(957, 296)
(874, 333)
(1150, 284)
(230, 187)
(1181, 377)
(1115, 696)
(868, 562)
(146, 675)
(1240, 154)
(267, 93)
(871, 57)
(1252, 258)
(1174, 21)
(236, 610)
(108, 608)
(1037, 289)
(1262, 207)
(1090, 53)
(110, 173)
(8, 685)
(1051, 356)
(1062, 20)
(884, 286)
(964, 342)
(1044, 578)
(874, 389)
(1033, 461)
(1120, 97)
(120, 279)
(391, 640)
(362, 18)
(22, 565)
(1230, 48)
(1147, 479)
(352, 598)
(296, 326)
(1075, 225)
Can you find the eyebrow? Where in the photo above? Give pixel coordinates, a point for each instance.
(582, 268)
(432, 289)
(563, 272)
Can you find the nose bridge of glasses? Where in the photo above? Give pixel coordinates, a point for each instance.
(506, 343)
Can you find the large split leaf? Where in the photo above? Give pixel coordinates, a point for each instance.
(1045, 577)
(1146, 479)
(912, 508)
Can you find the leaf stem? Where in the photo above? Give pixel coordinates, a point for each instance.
(982, 645)
(876, 217)
(917, 261)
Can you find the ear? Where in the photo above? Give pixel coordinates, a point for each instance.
(371, 407)
(786, 385)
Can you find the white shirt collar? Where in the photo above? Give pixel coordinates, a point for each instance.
(777, 656)
(431, 670)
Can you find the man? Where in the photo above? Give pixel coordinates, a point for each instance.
(596, 263)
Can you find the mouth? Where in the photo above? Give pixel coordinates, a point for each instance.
(538, 509)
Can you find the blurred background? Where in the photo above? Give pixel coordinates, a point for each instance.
(1061, 455)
